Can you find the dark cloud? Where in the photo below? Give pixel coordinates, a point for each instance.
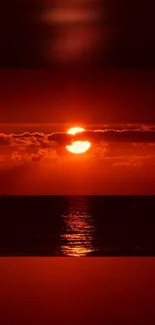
(62, 138)
(132, 136)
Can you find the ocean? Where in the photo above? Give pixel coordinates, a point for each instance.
(77, 226)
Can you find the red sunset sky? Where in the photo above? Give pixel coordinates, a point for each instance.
(90, 97)
(81, 64)
(43, 101)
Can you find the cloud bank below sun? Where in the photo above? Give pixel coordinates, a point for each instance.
(33, 142)
(120, 161)
(119, 146)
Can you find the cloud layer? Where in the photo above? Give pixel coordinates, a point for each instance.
(16, 148)
(121, 160)
(119, 134)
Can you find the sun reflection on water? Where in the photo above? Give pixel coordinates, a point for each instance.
(78, 235)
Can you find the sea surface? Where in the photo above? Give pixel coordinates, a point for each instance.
(77, 226)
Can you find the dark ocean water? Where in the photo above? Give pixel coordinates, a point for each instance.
(77, 226)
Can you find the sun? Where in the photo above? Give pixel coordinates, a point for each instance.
(78, 147)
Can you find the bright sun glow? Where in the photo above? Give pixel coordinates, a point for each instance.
(78, 147)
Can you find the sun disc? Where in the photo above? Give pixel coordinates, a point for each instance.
(78, 147)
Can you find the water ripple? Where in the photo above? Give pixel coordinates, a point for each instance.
(78, 232)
